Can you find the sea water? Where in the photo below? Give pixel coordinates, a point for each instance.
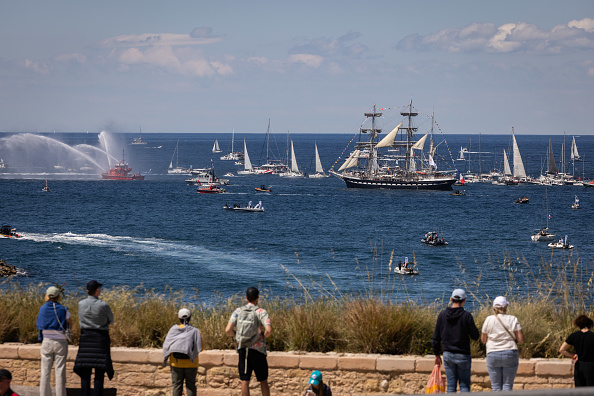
(315, 234)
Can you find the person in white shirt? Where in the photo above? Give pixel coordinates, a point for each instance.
(502, 333)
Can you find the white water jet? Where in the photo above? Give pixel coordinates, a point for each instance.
(29, 150)
(89, 147)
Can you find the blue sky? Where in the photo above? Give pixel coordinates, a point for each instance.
(309, 66)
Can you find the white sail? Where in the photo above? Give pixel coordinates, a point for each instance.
(506, 168)
(174, 151)
(215, 147)
(419, 145)
(574, 150)
(388, 140)
(294, 166)
(247, 165)
(319, 168)
(351, 161)
(519, 171)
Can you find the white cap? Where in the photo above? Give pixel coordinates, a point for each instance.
(184, 313)
(500, 302)
(458, 295)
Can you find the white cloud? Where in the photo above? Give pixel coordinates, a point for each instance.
(158, 39)
(307, 59)
(74, 57)
(37, 67)
(507, 38)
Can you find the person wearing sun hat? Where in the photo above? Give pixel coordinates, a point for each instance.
(53, 321)
(317, 386)
(182, 346)
(453, 328)
(502, 333)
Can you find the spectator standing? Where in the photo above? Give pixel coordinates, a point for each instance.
(94, 351)
(583, 343)
(452, 331)
(249, 321)
(53, 321)
(5, 378)
(502, 333)
(182, 346)
(317, 386)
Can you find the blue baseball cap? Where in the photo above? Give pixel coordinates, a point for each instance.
(315, 378)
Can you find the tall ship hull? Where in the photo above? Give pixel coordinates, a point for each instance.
(444, 183)
(403, 166)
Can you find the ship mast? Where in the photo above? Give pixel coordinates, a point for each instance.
(372, 160)
(410, 131)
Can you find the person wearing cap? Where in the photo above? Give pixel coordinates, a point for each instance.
(317, 386)
(502, 333)
(182, 346)
(94, 316)
(583, 357)
(452, 331)
(252, 356)
(53, 321)
(5, 378)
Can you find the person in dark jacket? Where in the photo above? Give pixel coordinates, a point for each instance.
(583, 357)
(94, 352)
(452, 331)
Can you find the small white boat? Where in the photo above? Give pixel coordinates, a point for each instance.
(561, 244)
(248, 208)
(46, 188)
(178, 170)
(576, 203)
(406, 271)
(139, 140)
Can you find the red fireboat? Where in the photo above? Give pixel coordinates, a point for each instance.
(121, 171)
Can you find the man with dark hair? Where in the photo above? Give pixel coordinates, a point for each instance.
(182, 346)
(5, 378)
(251, 341)
(454, 326)
(94, 351)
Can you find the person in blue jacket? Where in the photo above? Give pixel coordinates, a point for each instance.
(53, 321)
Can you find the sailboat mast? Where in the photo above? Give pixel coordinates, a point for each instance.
(232, 138)
(372, 150)
(410, 132)
(267, 140)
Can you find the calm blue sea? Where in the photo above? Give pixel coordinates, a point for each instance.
(315, 233)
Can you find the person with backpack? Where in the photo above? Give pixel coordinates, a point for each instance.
(182, 346)
(53, 321)
(249, 321)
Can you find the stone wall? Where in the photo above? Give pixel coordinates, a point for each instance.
(141, 372)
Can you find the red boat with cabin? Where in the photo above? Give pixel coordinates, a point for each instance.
(121, 171)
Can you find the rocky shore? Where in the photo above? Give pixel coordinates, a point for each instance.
(7, 269)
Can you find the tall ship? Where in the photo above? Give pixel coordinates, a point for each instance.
(121, 171)
(403, 166)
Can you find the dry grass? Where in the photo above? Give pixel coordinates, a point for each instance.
(545, 299)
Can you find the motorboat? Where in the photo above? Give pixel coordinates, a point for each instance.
(8, 232)
(263, 188)
(433, 238)
(248, 208)
(458, 192)
(139, 139)
(46, 188)
(522, 200)
(543, 235)
(561, 244)
(406, 271)
(210, 188)
(576, 203)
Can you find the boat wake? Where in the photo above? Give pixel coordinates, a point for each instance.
(152, 247)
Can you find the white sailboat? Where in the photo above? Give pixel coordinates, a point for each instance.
(319, 169)
(575, 156)
(543, 234)
(233, 155)
(247, 164)
(519, 172)
(294, 172)
(215, 147)
(139, 140)
(178, 170)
